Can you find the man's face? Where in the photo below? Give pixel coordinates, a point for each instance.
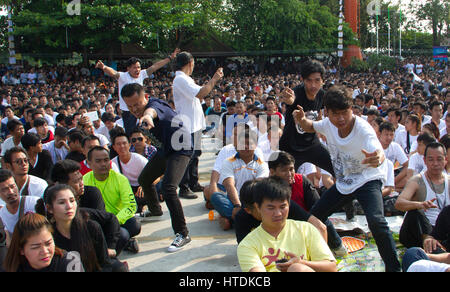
(231, 110)
(9, 192)
(340, 118)
(60, 141)
(240, 109)
(19, 131)
(421, 147)
(136, 104)
(76, 182)
(274, 213)
(138, 140)
(100, 162)
(9, 113)
(386, 138)
(121, 145)
(436, 112)
(417, 110)
(313, 83)
(392, 118)
(19, 163)
(134, 70)
(285, 172)
(384, 105)
(42, 130)
(89, 129)
(435, 160)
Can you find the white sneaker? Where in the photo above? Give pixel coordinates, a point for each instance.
(179, 242)
(341, 251)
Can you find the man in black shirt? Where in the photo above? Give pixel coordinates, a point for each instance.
(306, 147)
(75, 144)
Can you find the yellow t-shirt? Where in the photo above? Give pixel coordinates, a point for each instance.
(260, 249)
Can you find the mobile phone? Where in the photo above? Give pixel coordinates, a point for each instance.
(282, 261)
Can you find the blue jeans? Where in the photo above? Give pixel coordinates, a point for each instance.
(411, 256)
(371, 200)
(222, 204)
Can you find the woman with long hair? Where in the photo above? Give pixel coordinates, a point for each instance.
(74, 231)
(33, 249)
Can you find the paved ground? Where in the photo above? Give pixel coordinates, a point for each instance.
(211, 249)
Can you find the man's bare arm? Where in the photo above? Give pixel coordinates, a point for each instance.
(108, 70)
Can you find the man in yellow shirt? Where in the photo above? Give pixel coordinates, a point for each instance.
(279, 244)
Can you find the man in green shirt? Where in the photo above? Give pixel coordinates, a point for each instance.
(117, 195)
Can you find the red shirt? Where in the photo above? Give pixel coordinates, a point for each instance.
(298, 194)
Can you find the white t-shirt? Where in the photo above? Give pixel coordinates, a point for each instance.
(132, 170)
(399, 129)
(428, 267)
(346, 154)
(124, 79)
(441, 126)
(307, 168)
(36, 186)
(186, 103)
(225, 153)
(416, 163)
(57, 154)
(394, 153)
(390, 174)
(10, 220)
(402, 140)
(8, 144)
(241, 172)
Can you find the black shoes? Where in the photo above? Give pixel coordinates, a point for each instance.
(187, 194)
(132, 246)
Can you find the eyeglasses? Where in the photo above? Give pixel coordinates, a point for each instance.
(21, 161)
(134, 140)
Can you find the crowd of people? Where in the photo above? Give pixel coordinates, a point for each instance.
(88, 150)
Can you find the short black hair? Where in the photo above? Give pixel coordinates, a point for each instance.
(5, 174)
(280, 158)
(435, 145)
(131, 89)
(117, 135)
(39, 122)
(10, 152)
(13, 124)
(373, 112)
(133, 60)
(387, 126)
(96, 148)
(61, 132)
(89, 138)
(30, 140)
(108, 117)
(310, 67)
(246, 195)
(182, 60)
(76, 135)
(338, 97)
(273, 189)
(426, 138)
(62, 169)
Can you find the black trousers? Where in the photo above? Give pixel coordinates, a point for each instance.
(317, 155)
(128, 230)
(415, 225)
(190, 178)
(129, 122)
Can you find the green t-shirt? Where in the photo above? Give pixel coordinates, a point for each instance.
(117, 194)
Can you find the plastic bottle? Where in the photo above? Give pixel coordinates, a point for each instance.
(211, 215)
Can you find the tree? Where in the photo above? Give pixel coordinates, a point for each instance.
(436, 13)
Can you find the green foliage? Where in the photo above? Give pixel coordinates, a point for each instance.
(381, 62)
(358, 66)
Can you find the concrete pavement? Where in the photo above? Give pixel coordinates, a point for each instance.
(211, 248)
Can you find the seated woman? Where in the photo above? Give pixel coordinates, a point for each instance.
(32, 249)
(75, 232)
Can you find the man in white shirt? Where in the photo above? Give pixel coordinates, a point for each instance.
(131, 165)
(16, 160)
(236, 170)
(17, 131)
(187, 98)
(436, 109)
(9, 194)
(394, 116)
(358, 161)
(134, 74)
(58, 148)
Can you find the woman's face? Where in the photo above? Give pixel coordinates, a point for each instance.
(39, 249)
(64, 207)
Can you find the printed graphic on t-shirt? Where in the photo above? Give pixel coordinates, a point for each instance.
(344, 165)
(310, 115)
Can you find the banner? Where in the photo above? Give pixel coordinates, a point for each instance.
(440, 53)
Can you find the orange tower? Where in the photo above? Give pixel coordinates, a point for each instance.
(352, 17)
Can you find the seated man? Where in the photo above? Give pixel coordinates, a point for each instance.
(58, 148)
(417, 260)
(236, 170)
(88, 143)
(424, 197)
(117, 195)
(75, 143)
(17, 131)
(216, 182)
(40, 160)
(394, 152)
(416, 162)
(42, 129)
(298, 243)
(132, 165)
(88, 129)
(17, 161)
(15, 205)
(281, 164)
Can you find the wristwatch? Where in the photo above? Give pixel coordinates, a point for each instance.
(237, 206)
